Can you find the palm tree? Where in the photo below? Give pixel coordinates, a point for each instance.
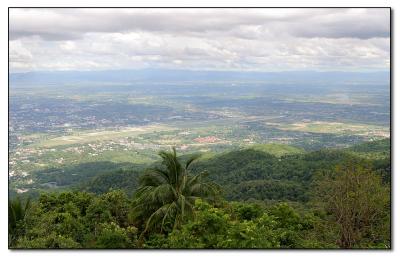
(166, 196)
(17, 212)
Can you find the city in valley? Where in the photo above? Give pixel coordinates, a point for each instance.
(126, 123)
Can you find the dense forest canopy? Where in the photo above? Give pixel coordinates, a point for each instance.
(249, 198)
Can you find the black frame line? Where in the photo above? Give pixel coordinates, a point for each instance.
(219, 7)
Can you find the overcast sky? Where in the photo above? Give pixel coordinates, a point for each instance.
(201, 39)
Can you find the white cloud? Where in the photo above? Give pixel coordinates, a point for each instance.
(253, 39)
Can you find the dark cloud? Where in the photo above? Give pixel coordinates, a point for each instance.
(70, 24)
(362, 24)
(65, 24)
(254, 39)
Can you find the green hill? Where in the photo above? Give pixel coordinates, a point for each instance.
(271, 192)
(126, 180)
(278, 150)
(262, 172)
(378, 149)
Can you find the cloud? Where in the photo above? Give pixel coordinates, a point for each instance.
(351, 23)
(63, 24)
(253, 39)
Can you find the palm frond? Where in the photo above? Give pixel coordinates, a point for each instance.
(172, 164)
(154, 177)
(166, 196)
(171, 207)
(27, 206)
(157, 215)
(191, 160)
(195, 179)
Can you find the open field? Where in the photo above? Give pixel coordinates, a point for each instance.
(338, 128)
(344, 98)
(87, 137)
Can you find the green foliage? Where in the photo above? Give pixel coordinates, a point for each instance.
(232, 227)
(258, 173)
(358, 203)
(118, 205)
(251, 174)
(246, 211)
(79, 220)
(277, 150)
(268, 189)
(383, 168)
(113, 236)
(53, 241)
(17, 212)
(126, 180)
(165, 197)
(175, 206)
(98, 212)
(375, 150)
(74, 174)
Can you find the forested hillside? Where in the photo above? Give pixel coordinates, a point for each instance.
(264, 172)
(267, 196)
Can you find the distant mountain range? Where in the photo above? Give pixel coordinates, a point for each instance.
(164, 75)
